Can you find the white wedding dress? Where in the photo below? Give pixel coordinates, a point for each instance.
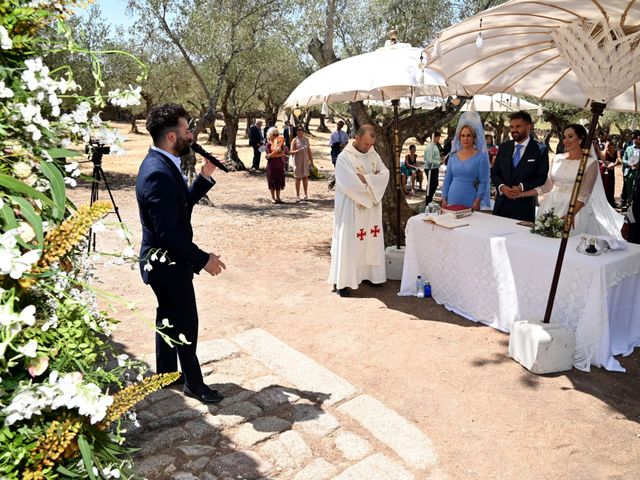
(596, 217)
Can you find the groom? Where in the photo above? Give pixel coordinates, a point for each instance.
(521, 164)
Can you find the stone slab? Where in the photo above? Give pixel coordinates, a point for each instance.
(216, 350)
(234, 415)
(197, 450)
(245, 465)
(197, 465)
(259, 430)
(274, 397)
(288, 450)
(319, 469)
(352, 446)
(407, 440)
(154, 465)
(293, 366)
(313, 421)
(376, 466)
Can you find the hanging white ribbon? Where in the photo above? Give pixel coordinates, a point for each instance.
(325, 109)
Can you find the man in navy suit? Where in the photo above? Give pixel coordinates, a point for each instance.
(521, 164)
(165, 203)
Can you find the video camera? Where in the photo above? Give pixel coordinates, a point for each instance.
(95, 149)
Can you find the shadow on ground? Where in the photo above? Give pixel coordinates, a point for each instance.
(618, 390)
(176, 435)
(266, 208)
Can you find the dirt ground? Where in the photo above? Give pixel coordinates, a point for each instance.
(487, 416)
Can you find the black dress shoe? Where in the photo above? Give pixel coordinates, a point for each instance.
(344, 292)
(205, 395)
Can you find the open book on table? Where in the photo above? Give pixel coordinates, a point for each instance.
(446, 220)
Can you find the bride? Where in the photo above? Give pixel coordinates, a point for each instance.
(593, 214)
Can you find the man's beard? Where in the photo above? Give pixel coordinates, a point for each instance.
(517, 137)
(183, 147)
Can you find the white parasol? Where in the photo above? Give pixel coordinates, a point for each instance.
(390, 73)
(582, 52)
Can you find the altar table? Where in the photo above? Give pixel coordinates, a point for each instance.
(497, 272)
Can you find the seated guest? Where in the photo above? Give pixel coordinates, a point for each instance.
(409, 169)
(467, 179)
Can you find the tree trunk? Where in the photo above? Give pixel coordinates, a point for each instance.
(231, 124)
(307, 120)
(214, 138)
(322, 127)
(134, 125)
(250, 120)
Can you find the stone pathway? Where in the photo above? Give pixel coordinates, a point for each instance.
(284, 417)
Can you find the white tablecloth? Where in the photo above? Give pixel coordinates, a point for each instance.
(497, 272)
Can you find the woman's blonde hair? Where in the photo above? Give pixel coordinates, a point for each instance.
(273, 131)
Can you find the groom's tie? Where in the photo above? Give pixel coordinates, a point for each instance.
(518, 155)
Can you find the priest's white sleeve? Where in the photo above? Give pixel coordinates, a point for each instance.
(377, 182)
(347, 181)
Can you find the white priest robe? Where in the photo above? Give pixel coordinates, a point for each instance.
(357, 247)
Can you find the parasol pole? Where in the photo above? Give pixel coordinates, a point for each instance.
(396, 165)
(597, 108)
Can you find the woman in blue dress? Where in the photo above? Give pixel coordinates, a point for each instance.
(466, 181)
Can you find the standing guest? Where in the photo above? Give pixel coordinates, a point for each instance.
(631, 227)
(492, 148)
(302, 161)
(467, 179)
(409, 170)
(357, 247)
(165, 204)
(521, 164)
(289, 133)
(630, 160)
(433, 154)
(337, 141)
(276, 153)
(256, 140)
(608, 159)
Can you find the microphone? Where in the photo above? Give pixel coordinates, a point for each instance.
(198, 149)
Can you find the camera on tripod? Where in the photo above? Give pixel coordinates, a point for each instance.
(95, 149)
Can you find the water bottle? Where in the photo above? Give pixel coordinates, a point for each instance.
(427, 289)
(420, 287)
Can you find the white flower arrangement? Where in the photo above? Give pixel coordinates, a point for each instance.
(548, 225)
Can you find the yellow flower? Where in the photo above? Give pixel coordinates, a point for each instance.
(126, 399)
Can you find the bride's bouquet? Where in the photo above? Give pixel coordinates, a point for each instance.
(548, 224)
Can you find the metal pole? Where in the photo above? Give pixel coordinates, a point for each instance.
(597, 109)
(396, 165)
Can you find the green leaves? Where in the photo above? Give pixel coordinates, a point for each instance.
(14, 185)
(29, 214)
(58, 192)
(87, 455)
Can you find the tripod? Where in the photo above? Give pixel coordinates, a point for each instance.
(95, 156)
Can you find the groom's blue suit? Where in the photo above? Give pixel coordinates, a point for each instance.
(165, 204)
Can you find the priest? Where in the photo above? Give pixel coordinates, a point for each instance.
(357, 247)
